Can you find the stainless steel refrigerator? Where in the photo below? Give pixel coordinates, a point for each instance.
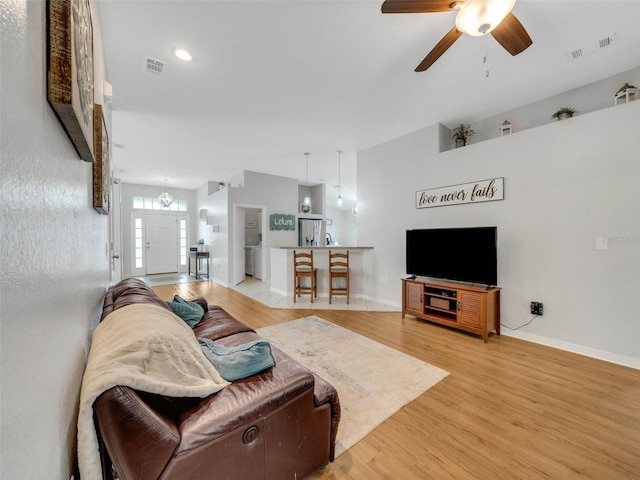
(311, 232)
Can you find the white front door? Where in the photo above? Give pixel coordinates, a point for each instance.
(162, 243)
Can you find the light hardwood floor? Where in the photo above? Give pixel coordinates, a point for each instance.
(509, 409)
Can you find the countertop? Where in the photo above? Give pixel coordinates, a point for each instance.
(326, 247)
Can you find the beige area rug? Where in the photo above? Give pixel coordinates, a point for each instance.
(373, 381)
(170, 279)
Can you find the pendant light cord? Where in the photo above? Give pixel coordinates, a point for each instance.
(339, 178)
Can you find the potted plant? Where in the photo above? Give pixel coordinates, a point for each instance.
(461, 133)
(564, 112)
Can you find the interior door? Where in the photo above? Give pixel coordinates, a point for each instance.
(238, 246)
(162, 243)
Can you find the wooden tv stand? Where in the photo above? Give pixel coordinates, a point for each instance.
(465, 307)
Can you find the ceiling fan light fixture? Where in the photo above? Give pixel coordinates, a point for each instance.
(479, 17)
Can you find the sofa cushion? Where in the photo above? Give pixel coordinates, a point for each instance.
(218, 324)
(190, 312)
(237, 362)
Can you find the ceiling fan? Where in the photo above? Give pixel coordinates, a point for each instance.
(475, 17)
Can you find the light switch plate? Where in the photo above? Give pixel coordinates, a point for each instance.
(602, 243)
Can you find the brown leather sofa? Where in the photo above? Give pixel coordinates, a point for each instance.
(278, 424)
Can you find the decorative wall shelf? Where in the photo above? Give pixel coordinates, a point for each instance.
(588, 98)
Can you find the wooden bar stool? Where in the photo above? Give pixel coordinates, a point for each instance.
(303, 267)
(338, 268)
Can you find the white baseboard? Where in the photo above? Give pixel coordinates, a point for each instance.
(385, 301)
(278, 291)
(574, 348)
(220, 282)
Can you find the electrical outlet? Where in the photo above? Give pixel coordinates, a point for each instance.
(536, 308)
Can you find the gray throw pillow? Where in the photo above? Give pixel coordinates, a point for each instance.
(234, 363)
(190, 312)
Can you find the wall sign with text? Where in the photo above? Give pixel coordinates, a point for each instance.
(474, 192)
(282, 221)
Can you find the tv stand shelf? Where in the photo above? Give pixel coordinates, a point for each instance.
(470, 308)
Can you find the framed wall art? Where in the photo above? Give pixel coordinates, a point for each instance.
(102, 163)
(475, 192)
(70, 80)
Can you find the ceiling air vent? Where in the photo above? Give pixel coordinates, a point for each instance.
(593, 47)
(153, 66)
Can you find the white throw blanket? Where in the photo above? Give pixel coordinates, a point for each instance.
(145, 347)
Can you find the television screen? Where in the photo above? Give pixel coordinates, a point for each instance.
(461, 254)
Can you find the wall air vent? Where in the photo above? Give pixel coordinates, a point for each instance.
(153, 66)
(593, 47)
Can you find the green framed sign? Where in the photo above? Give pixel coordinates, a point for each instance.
(282, 221)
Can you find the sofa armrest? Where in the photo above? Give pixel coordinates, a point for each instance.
(324, 392)
(202, 302)
(139, 440)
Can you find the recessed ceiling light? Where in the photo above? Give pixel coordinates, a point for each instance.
(182, 54)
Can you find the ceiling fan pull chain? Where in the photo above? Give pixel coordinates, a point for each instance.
(485, 60)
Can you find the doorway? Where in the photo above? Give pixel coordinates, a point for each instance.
(239, 241)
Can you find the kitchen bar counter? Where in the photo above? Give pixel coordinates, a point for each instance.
(282, 268)
(325, 247)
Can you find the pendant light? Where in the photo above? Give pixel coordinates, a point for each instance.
(339, 202)
(165, 199)
(307, 198)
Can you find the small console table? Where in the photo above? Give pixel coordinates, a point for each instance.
(198, 256)
(470, 308)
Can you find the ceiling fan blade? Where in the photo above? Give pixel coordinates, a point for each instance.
(416, 6)
(442, 46)
(512, 35)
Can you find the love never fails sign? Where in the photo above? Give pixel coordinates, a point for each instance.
(475, 192)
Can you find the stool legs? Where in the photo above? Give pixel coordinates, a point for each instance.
(303, 267)
(338, 268)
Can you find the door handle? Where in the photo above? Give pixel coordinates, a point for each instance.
(116, 256)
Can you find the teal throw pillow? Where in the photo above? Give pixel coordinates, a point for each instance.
(234, 363)
(190, 312)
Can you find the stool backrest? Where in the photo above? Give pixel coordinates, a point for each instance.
(303, 261)
(338, 260)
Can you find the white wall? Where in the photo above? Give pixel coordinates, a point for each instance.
(248, 189)
(55, 267)
(216, 243)
(343, 227)
(566, 183)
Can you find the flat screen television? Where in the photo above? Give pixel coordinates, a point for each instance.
(462, 254)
